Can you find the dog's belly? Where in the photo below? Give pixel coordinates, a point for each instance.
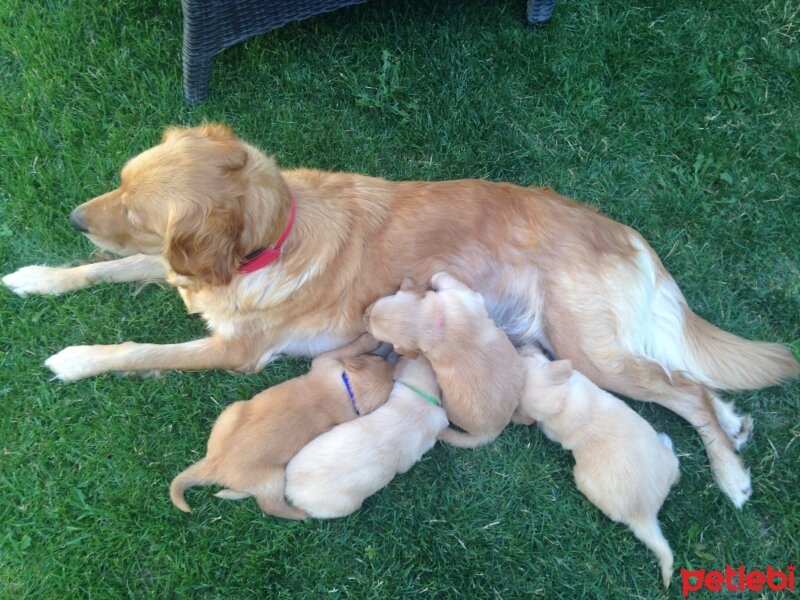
(314, 345)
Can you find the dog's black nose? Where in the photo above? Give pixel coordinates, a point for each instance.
(77, 222)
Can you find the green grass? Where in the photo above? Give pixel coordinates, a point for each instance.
(679, 118)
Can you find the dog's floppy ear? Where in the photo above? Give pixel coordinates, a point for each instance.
(434, 321)
(409, 354)
(558, 371)
(204, 243)
(409, 284)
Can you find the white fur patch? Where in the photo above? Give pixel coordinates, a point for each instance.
(75, 362)
(40, 280)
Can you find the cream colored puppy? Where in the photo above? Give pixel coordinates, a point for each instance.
(621, 464)
(335, 472)
(252, 440)
(478, 368)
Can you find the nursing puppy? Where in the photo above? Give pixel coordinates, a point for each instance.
(478, 368)
(285, 261)
(335, 472)
(621, 464)
(252, 440)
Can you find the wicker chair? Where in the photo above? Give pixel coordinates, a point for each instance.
(211, 26)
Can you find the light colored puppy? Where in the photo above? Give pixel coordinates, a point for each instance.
(478, 368)
(621, 464)
(335, 472)
(252, 440)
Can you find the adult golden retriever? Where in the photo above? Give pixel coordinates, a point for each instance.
(191, 209)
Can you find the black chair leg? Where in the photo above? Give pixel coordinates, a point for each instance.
(540, 11)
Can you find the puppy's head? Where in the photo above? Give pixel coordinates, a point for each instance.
(396, 319)
(192, 199)
(371, 379)
(546, 385)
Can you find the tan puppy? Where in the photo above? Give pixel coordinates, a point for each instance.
(621, 464)
(252, 440)
(193, 208)
(335, 472)
(478, 369)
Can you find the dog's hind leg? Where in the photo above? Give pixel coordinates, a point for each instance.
(270, 495)
(37, 279)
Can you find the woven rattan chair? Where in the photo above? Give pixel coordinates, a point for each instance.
(211, 26)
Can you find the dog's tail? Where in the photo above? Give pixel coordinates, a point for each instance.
(200, 473)
(726, 362)
(649, 533)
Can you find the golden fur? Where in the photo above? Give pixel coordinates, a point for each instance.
(253, 440)
(334, 473)
(477, 367)
(551, 271)
(621, 464)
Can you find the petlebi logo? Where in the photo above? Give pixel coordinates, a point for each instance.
(738, 580)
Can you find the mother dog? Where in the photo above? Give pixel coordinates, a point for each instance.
(287, 261)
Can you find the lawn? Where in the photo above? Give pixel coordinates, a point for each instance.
(680, 118)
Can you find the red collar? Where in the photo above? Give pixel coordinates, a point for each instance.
(266, 256)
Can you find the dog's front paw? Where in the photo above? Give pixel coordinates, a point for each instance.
(37, 279)
(75, 362)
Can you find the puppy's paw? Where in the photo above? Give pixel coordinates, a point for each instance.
(75, 362)
(737, 427)
(37, 279)
(734, 481)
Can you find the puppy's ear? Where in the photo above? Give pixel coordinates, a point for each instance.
(559, 371)
(204, 243)
(354, 363)
(434, 321)
(409, 354)
(409, 284)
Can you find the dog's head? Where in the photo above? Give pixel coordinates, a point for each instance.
(371, 378)
(397, 319)
(202, 198)
(546, 384)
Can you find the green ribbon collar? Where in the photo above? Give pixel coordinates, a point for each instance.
(430, 398)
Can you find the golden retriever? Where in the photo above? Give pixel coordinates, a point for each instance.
(252, 440)
(477, 367)
(621, 464)
(335, 472)
(193, 208)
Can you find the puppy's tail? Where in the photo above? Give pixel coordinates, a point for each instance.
(198, 474)
(726, 362)
(649, 533)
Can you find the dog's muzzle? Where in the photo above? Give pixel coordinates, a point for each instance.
(77, 221)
